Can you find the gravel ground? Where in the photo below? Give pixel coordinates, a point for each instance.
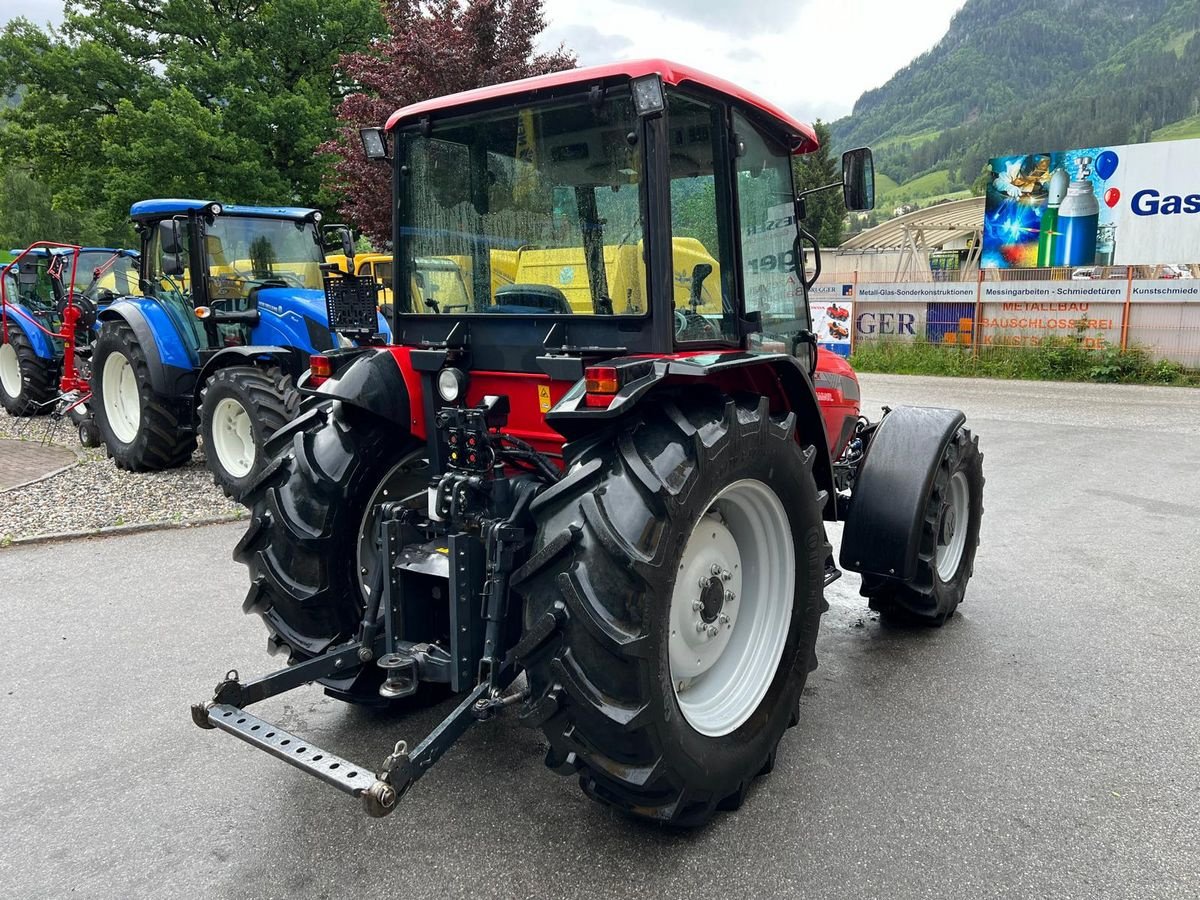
(96, 494)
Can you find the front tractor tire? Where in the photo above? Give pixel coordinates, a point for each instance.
(28, 383)
(310, 546)
(142, 430)
(949, 539)
(241, 407)
(672, 601)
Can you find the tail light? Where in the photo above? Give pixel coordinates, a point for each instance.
(319, 369)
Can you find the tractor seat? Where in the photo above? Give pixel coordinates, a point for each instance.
(530, 299)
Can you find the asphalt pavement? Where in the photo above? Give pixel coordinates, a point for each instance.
(1043, 744)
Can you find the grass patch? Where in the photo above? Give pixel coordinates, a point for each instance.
(1054, 359)
(1178, 131)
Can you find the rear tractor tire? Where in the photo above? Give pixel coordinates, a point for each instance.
(949, 539)
(672, 601)
(142, 431)
(28, 383)
(241, 407)
(310, 546)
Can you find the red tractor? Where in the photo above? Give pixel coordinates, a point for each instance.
(590, 496)
(840, 313)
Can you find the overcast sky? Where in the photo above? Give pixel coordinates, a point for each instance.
(813, 57)
(40, 11)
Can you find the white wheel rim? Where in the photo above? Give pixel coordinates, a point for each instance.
(10, 370)
(952, 527)
(233, 437)
(406, 481)
(122, 401)
(731, 607)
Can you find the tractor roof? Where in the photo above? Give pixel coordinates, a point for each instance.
(803, 137)
(157, 209)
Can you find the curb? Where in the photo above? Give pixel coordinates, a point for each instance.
(115, 531)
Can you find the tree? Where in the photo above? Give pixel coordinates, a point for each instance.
(432, 48)
(27, 215)
(131, 99)
(826, 210)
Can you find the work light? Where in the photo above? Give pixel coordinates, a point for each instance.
(648, 94)
(451, 384)
(374, 142)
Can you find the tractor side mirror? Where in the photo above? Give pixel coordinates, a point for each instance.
(339, 237)
(858, 179)
(169, 238)
(172, 264)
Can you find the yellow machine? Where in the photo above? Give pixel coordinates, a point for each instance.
(442, 282)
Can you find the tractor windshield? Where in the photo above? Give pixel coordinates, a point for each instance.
(248, 252)
(103, 270)
(532, 210)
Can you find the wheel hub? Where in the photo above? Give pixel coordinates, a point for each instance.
(10, 370)
(712, 598)
(730, 607)
(122, 400)
(952, 539)
(233, 438)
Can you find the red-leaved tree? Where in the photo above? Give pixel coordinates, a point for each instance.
(435, 47)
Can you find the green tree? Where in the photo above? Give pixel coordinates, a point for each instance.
(27, 214)
(132, 99)
(826, 212)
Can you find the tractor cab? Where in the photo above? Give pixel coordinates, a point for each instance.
(646, 207)
(217, 268)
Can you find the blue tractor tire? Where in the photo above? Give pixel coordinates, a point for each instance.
(28, 382)
(241, 408)
(142, 431)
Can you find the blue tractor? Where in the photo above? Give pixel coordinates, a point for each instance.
(36, 290)
(232, 307)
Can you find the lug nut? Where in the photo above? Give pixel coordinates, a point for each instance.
(726, 575)
(723, 618)
(716, 570)
(701, 628)
(697, 605)
(730, 596)
(703, 582)
(712, 630)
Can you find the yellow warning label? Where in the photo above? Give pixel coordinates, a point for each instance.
(544, 397)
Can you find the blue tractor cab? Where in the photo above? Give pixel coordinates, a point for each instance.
(36, 289)
(231, 308)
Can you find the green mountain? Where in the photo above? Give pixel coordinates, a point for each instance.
(1020, 76)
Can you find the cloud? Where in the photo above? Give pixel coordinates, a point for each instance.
(592, 46)
(721, 16)
(812, 57)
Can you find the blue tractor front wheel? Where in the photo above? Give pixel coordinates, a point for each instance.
(142, 430)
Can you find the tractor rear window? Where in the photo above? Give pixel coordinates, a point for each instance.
(532, 211)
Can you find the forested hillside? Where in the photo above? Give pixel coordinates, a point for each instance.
(1023, 75)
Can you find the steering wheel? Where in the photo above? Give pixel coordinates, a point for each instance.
(691, 326)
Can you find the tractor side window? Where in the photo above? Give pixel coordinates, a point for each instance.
(170, 282)
(703, 307)
(766, 213)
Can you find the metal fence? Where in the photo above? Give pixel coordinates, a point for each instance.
(1154, 309)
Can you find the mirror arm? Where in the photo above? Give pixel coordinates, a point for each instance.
(817, 190)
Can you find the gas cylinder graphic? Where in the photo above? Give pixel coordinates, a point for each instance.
(1078, 221)
(1048, 229)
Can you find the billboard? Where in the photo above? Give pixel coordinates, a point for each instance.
(1132, 204)
(832, 307)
